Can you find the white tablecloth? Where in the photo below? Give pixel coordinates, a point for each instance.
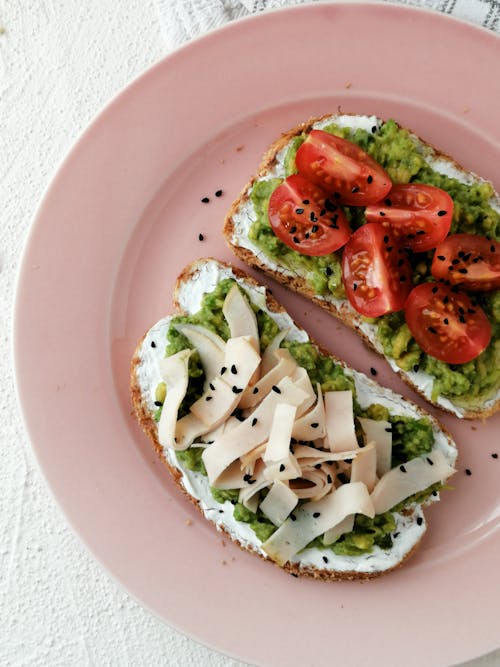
(60, 62)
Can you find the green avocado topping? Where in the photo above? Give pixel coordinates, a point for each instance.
(469, 384)
(411, 437)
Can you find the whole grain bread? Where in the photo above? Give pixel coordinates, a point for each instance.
(141, 391)
(297, 283)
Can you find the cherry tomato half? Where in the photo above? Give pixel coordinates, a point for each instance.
(418, 215)
(471, 261)
(302, 216)
(376, 271)
(343, 169)
(446, 323)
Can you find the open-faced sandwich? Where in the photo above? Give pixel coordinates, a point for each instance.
(298, 458)
(395, 239)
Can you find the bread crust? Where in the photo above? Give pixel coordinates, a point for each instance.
(148, 425)
(297, 284)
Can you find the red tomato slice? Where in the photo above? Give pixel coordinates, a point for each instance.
(376, 271)
(473, 262)
(418, 215)
(343, 169)
(302, 216)
(446, 323)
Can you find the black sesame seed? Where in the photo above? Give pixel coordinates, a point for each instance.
(416, 368)
(211, 386)
(205, 200)
(218, 193)
(293, 229)
(296, 240)
(328, 271)
(200, 237)
(419, 521)
(254, 421)
(402, 468)
(396, 535)
(464, 271)
(293, 517)
(330, 480)
(233, 370)
(446, 320)
(252, 481)
(153, 344)
(355, 286)
(305, 202)
(441, 213)
(276, 389)
(492, 248)
(299, 211)
(434, 493)
(325, 559)
(441, 258)
(312, 217)
(429, 461)
(208, 398)
(386, 239)
(158, 404)
(316, 515)
(382, 214)
(318, 466)
(255, 390)
(282, 467)
(434, 290)
(387, 202)
(314, 229)
(314, 425)
(432, 330)
(468, 472)
(494, 455)
(402, 279)
(369, 179)
(373, 371)
(388, 429)
(247, 477)
(236, 390)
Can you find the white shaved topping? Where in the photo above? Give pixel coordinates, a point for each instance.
(174, 372)
(269, 359)
(285, 366)
(380, 432)
(314, 518)
(279, 502)
(312, 425)
(278, 445)
(344, 526)
(210, 347)
(240, 316)
(364, 466)
(405, 480)
(340, 433)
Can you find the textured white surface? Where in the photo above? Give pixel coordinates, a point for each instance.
(60, 62)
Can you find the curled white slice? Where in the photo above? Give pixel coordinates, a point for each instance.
(174, 372)
(344, 526)
(409, 478)
(209, 345)
(380, 432)
(239, 316)
(364, 466)
(269, 359)
(285, 366)
(340, 434)
(279, 502)
(315, 518)
(311, 426)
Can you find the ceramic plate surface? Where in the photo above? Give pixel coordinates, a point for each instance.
(120, 221)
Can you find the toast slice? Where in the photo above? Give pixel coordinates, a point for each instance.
(365, 547)
(470, 393)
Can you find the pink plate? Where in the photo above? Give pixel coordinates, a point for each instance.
(120, 221)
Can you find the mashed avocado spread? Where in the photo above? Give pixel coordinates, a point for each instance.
(404, 160)
(410, 437)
